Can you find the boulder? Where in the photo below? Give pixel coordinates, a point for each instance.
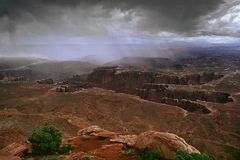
(89, 130)
(96, 131)
(130, 140)
(105, 134)
(163, 143)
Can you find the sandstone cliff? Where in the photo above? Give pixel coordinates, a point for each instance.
(117, 75)
(153, 86)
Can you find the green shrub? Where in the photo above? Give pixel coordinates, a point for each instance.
(183, 155)
(200, 157)
(66, 149)
(148, 155)
(45, 140)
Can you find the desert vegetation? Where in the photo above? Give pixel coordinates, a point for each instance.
(183, 155)
(46, 140)
(148, 155)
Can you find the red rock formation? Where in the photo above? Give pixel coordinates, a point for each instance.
(181, 98)
(151, 86)
(118, 75)
(151, 91)
(185, 104)
(163, 143)
(103, 75)
(129, 140)
(97, 131)
(14, 149)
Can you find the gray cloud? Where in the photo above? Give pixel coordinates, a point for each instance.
(114, 28)
(176, 16)
(225, 21)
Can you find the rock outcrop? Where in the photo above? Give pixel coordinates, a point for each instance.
(153, 86)
(97, 131)
(164, 144)
(102, 144)
(185, 99)
(14, 149)
(187, 105)
(106, 75)
(90, 130)
(216, 97)
(63, 88)
(129, 140)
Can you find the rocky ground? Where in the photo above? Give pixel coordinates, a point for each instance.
(27, 105)
(100, 144)
(196, 98)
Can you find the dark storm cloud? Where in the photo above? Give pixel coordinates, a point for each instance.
(182, 16)
(179, 16)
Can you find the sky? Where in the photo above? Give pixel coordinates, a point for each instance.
(110, 29)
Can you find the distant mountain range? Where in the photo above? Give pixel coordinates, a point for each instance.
(35, 68)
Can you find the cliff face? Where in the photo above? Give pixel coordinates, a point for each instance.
(116, 75)
(188, 105)
(181, 98)
(151, 90)
(153, 86)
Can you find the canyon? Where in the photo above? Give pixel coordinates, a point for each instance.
(160, 87)
(198, 102)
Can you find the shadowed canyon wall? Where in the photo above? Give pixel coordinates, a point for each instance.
(153, 86)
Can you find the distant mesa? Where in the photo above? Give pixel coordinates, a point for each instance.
(153, 86)
(116, 73)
